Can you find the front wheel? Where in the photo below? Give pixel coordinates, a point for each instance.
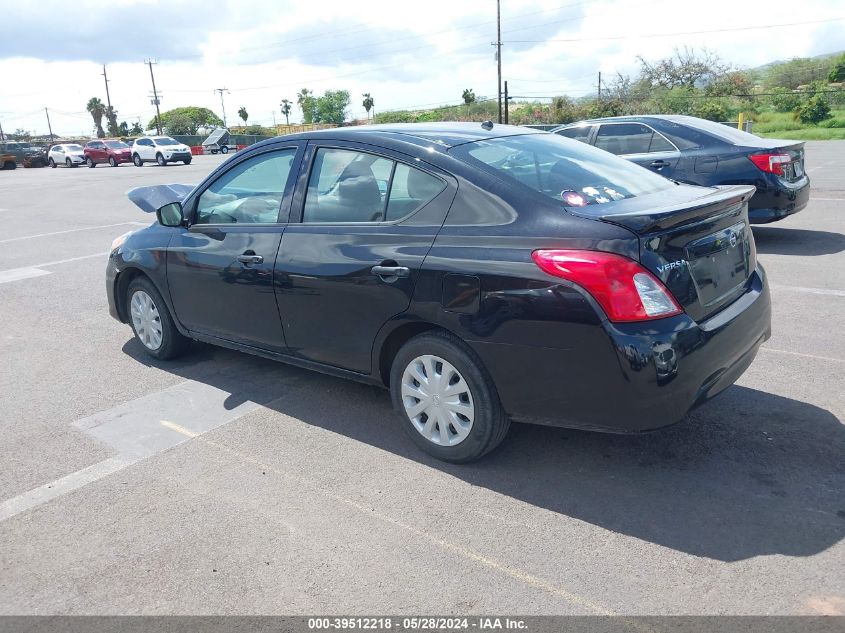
(187, 161)
(137, 161)
(151, 322)
(448, 403)
(68, 162)
(224, 150)
(52, 163)
(160, 160)
(9, 164)
(91, 163)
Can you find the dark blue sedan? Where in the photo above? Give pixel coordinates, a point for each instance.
(702, 152)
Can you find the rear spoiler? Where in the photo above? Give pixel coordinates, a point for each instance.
(151, 199)
(641, 215)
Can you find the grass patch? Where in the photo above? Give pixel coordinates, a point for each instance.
(806, 134)
(783, 125)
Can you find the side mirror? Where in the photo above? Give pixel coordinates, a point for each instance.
(171, 214)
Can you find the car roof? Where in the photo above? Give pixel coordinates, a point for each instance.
(675, 118)
(444, 135)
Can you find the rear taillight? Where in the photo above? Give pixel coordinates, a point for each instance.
(624, 289)
(771, 163)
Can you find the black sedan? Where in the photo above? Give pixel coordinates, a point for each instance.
(701, 152)
(482, 273)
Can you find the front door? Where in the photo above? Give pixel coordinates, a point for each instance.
(220, 270)
(368, 219)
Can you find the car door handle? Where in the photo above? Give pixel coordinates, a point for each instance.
(658, 164)
(250, 259)
(391, 271)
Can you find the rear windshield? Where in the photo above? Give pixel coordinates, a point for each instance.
(723, 132)
(117, 145)
(562, 169)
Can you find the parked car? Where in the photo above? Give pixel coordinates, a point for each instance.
(701, 152)
(159, 149)
(69, 154)
(111, 151)
(482, 273)
(24, 154)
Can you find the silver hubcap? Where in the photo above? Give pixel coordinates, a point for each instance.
(146, 320)
(437, 400)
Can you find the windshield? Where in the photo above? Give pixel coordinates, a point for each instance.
(165, 141)
(117, 145)
(73, 148)
(562, 169)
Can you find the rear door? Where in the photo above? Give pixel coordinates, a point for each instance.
(367, 219)
(640, 144)
(220, 270)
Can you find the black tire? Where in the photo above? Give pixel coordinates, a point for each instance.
(91, 163)
(490, 423)
(9, 165)
(160, 160)
(214, 151)
(68, 162)
(224, 150)
(173, 344)
(187, 161)
(136, 160)
(52, 163)
(112, 161)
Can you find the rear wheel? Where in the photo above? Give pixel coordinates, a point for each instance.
(448, 403)
(112, 161)
(151, 322)
(52, 163)
(160, 160)
(91, 162)
(137, 160)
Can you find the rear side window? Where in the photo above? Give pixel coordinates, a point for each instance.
(579, 133)
(574, 173)
(350, 186)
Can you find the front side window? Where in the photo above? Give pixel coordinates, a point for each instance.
(250, 192)
(350, 186)
(573, 173)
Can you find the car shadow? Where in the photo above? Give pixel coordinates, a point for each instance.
(748, 474)
(781, 241)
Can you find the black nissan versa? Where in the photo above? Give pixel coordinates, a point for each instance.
(482, 273)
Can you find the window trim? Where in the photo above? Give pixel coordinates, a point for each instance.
(610, 123)
(287, 194)
(309, 161)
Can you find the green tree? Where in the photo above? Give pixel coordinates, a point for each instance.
(685, 68)
(123, 129)
(188, 118)
(468, 96)
(136, 129)
(837, 73)
(368, 103)
(97, 110)
(243, 114)
(797, 72)
(286, 110)
(308, 104)
(111, 118)
(331, 107)
(784, 99)
(712, 110)
(814, 110)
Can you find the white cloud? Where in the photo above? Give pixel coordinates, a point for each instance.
(405, 54)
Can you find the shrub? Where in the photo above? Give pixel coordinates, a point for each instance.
(784, 100)
(814, 110)
(833, 123)
(712, 110)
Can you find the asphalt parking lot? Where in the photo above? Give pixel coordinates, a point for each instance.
(223, 483)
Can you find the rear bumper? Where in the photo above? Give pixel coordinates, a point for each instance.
(633, 377)
(778, 200)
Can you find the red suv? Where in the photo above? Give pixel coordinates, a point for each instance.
(108, 151)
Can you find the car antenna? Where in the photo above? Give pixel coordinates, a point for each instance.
(487, 125)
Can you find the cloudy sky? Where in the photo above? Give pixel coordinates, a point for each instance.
(407, 54)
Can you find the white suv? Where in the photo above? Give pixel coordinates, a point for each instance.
(159, 149)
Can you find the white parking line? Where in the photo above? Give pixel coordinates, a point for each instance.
(786, 351)
(828, 199)
(17, 274)
(815, 291)
(86, 228)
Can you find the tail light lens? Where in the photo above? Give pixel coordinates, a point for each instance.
(771, 163)
(624, 289)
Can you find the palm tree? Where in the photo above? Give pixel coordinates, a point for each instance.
(243, 114)
(368, 103)
(111, 118)
(305, 99)
(468, 96)
(97, 110)
(286, 110)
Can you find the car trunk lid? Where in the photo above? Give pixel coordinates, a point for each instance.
(697, 241)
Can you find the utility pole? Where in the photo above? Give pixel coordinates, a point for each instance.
(222, 106)
(506, 102)
(49, 127)
(498, 45)
(155, 99)
(105, 77)
(599, 86)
